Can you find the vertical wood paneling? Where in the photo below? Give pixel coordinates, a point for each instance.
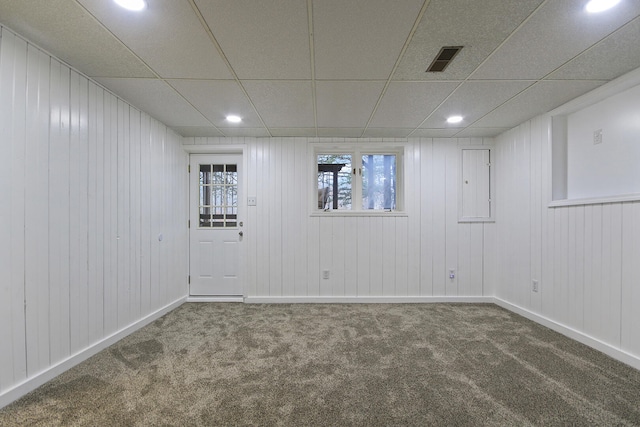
(431, 234)
(145, 209)
(350, 253)
(12, 58)
(275, 220)
(59, 219)
(376, 256)
(451, 214)
(36, 211)
(389, 233)
(438, 225)
(110, 303)
(338, 255)
(313, 256)
(476, 250)
(364, 257)
(585, 256)
(413, 203)
(402, 256)
(70, 176)
(300, 236)
(630, 292)
(325, 230)
(288, 225)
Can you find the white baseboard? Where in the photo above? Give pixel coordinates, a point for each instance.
(215, 299)
(365, 300)
(608, 349)
(39, 379)
(48, 374)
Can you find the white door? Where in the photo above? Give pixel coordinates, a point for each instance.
(216, 207)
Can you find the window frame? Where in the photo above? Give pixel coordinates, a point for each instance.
(356, 152)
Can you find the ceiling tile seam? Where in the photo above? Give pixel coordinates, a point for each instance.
(95, 18)
(522, 24)
(480, 65)
(436, 109)
(602, 40)
(499, 106)
(312, 64)
(416, 23)
(213, 39)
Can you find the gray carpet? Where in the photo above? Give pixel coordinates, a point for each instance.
(342, 365)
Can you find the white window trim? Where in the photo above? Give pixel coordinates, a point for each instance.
(356, 150)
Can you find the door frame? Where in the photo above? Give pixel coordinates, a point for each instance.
(238, 149)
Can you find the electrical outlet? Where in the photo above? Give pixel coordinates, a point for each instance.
(534, 286)
(597, 136)
(325, 274)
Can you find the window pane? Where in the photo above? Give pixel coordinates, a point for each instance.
(334, 181)
(378, 181)
(218, 195)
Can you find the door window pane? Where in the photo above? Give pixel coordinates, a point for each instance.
(218, 195)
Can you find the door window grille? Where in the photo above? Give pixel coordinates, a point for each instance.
(218, 196)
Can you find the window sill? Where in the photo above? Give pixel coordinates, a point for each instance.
(594, 201)
(333, 213)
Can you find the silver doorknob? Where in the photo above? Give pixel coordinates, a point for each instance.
(241, 233)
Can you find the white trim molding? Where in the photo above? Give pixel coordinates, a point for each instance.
(574, 334)
(367, 300)
(51, 372)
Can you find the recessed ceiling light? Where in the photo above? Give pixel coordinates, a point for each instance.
(132, 4)
(454, 119)
(595, 6)
(234, 119)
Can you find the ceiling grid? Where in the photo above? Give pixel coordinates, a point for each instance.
(337, 68)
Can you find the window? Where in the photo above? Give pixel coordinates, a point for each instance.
(218, 196)
(359, 180)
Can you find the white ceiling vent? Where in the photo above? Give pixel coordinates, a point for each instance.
(443, 58)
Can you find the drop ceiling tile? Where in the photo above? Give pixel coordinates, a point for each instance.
(479, 26)
(346, 104)
(434, 133)
(245, 132)
(556, 33)
(216, 99)
(407, 104)
(282, 104)
(197, 131)
(340, 132)
(306, 132)
(69, 32)
(473, 132)
(267, 39)
(538, 99)
(387, 133)
(611, 58)
(473, 100)
(360, 39)
(157, 99)
(167, 35)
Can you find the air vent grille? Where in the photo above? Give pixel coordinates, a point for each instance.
(444, 57)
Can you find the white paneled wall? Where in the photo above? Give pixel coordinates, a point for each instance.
(87, 185)
(586, 258)
(367, 256)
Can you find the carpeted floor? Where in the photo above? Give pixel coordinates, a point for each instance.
(339, 365)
